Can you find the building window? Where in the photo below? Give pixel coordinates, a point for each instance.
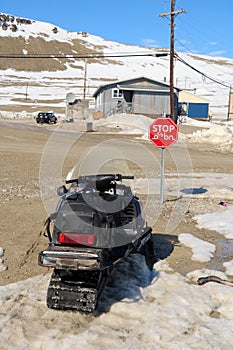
(116, 93)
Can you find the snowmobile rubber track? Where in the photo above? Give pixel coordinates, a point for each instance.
(76, 290)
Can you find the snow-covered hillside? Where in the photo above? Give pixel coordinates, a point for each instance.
(31, 84)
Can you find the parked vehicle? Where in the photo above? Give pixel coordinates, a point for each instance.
(46, 118)
(97, 223)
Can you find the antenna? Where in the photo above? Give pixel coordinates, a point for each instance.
(70, 97)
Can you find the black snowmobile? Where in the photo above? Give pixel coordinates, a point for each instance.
(96, 224)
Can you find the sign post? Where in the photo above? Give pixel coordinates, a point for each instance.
(163, 133)
(162, 175)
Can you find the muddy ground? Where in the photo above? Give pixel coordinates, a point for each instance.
(23, 213)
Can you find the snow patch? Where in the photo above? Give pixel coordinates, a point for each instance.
(229, 267)
(223, 222)
(202, 250)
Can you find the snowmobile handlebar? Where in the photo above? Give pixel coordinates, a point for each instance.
(119, 177)
(99, 177)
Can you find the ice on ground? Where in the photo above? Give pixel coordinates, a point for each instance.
(223, 222)
(2, 266)
(229, 267)
(202, 250)
(169, 313)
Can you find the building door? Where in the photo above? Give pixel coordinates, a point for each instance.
(128, 98)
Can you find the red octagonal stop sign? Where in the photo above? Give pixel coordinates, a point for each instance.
(163, 132)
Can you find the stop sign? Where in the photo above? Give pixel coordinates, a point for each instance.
(163, 132)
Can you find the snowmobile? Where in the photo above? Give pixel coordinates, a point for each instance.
(97, 223)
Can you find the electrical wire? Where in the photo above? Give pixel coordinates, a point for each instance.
(198, 71)
(90, 55)
(32, 56)
(184, 46)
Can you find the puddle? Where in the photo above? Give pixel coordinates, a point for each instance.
(223, 254)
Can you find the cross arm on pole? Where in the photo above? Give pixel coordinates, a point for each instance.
(172, 13)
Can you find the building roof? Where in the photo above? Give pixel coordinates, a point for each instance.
(184, 96)
(154, 88)
(129, 84)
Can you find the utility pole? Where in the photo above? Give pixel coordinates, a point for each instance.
(230, 104)
(26, 94)
(85, 80)
(172, 14)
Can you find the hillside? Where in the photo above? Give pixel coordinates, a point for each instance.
(42, 83)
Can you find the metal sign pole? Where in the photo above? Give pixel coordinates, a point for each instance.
(162, 171)
(162, 176)
(163, 132)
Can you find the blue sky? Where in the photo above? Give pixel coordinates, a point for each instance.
(205, 28)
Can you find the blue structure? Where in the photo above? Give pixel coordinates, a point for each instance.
(198, 110)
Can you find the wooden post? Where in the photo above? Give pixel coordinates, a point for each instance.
(172, 14)
(229, 105)
(172, 105)
(85, 80)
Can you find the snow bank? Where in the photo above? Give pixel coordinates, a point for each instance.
(126, 123)
(169, 313)
(17, 115)
(221, 136)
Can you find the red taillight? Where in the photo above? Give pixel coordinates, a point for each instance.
(76, 238)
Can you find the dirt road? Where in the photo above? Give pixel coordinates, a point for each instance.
(23, 210)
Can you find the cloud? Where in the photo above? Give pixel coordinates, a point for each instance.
(213, 43)
(149, 43)
(217, 53)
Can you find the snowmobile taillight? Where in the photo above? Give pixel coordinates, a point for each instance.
(76, 238)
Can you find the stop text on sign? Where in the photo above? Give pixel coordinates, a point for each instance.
(163, 128)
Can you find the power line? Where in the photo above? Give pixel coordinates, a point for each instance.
(90, 55)
(194, 53)
(198, 71)
(186, 47)
(32, 56)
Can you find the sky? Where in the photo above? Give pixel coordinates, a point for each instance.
(204, 28)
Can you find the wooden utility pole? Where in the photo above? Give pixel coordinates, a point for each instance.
(172, 43)
(26, 92)
(172, 14)
(85, 80)
(230, 104)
